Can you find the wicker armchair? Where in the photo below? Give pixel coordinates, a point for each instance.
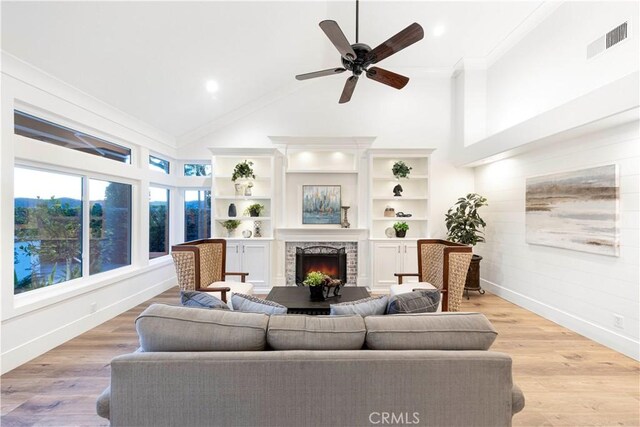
(442, 265)
(200, 266)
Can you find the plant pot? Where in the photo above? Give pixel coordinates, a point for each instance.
(317, 293)
(232, 210)
(239, 189)
(473, 275)
(401, 233)
(254, 214)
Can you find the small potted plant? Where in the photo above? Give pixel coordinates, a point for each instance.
(244, 172)
(315, 280)
(401, 228)
(230, 225)
(401, 170)
(464, 225)
(254, 210)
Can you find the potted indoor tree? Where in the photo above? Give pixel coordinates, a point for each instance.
(466, 226)
(230, 225)
(254, 209)
(400, 170)
(315, 280)
(243, 171)
(401, 228)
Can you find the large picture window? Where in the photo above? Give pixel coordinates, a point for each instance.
(197, 214)
(158, 222)
(47, 246)
(49, 214)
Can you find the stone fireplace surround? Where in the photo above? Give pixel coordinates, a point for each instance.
(351, 248)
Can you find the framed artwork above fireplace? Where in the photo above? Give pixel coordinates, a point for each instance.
(321, 204)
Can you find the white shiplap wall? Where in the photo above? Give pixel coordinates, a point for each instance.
(581, 291)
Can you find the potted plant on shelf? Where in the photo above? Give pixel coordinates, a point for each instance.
(400, 170)
(254, 209)
(401, 228)
(230, 225)
(315, 280)
(243, 171)
(466, 226)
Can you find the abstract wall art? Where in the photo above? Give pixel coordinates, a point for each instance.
(321, 204)
(575, 210)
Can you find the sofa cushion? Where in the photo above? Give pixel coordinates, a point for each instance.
(201, 300)
(103, 404)
(364, 307)
(430, 331)
(251, 304)
(418, 301)
(170, 328)
(298, 332)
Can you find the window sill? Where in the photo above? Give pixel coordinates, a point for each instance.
(41, 298)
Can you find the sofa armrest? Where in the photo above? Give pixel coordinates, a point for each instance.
(103, 403)
(517, 400)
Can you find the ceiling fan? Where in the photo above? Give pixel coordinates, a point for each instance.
(359, 57)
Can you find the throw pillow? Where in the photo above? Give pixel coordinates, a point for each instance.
(364, 307)
(251, 304)
(201, 300)
(419, 301)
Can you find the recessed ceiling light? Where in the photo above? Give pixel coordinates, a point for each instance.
(438, 30)
(212, 86)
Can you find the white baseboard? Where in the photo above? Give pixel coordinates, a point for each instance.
(37, 346)
(606, 337)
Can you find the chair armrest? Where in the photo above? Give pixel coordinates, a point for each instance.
(243, 276)
(222, 289)
(401, 276)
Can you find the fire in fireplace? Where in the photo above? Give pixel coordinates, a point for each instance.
(326, 259)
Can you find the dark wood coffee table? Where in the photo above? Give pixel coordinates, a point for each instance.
(297, 299)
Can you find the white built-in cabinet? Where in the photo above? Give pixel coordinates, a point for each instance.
(392, 255)
(253, 257)
(245, 254)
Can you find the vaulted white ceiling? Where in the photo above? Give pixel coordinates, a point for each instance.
(152, 59)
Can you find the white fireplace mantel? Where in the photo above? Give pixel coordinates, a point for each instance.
(321, 234)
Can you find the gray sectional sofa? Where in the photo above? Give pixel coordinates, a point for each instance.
(221, 368)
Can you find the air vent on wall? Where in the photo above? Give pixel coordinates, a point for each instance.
(607, 41)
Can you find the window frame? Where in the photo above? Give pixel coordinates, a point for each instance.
(170, 220)
(183, 209)
(155, 156)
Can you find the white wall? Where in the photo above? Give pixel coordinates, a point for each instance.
(578, 290)
(417, 116)
(39, 320)
(548, 67)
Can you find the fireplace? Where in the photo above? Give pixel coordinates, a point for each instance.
(326, 259)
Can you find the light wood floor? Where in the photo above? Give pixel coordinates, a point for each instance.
(567, 380)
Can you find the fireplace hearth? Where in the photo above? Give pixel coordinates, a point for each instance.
(326, 259)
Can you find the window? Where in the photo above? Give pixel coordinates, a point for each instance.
(159, 165)
(197, 169)
(47, 246)
(110, 223)
(46, 131)
(158, 222)
(197, 214)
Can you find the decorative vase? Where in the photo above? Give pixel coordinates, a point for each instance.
(230, 232)
(401, 233)
(232, 210)
(345, 222)
(239, 189)
(317, 293)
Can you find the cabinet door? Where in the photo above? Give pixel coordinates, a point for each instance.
(387, 260)
(410, 260)
(256, 262)
(234, 259)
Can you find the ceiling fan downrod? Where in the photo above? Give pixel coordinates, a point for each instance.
(357, 18)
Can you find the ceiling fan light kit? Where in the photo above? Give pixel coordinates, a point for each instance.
(359, 57)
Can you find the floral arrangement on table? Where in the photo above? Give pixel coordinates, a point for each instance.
(314, 278)
(254, 210)
(401, 170)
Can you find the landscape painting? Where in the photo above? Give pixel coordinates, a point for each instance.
(575, 210)
(321, 204)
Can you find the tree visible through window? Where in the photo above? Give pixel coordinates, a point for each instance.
(158, 222)
(197, 169)
(197, 214)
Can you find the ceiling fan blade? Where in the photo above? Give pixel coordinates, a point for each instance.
(395, 44)
(329, 72)
(387, 77)
(349, 86)
(339, 40)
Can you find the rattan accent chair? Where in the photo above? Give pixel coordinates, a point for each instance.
(443, 265)
(200, 266)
